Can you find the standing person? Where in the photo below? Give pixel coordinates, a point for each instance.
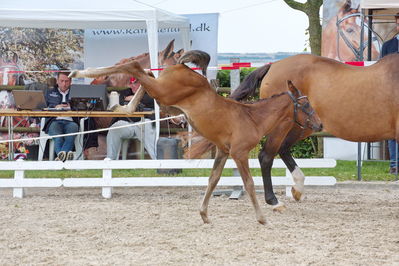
(115, 136)
(58, 97)
(390, 47)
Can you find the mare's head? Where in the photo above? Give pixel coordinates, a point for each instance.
(9, 70)
(166, 57)
(304, 115)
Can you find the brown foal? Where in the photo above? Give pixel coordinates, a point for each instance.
(235, 128)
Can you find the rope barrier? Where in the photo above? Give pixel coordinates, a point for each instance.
(90, 131)
(235, 66)
(232, 66)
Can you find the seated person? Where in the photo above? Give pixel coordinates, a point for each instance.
(115, 136)
(58, 97)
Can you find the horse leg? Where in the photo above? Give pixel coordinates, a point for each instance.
(218, 165)
(266, 157)
(299, 178)
(132, 105)
(243, 167)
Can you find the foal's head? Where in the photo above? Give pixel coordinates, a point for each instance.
(304, 115)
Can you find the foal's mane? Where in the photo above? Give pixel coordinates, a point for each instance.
(266, 99)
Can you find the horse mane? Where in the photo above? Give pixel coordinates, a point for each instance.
(268, 98)
(249, 85)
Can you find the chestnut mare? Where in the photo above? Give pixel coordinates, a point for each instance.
(354, 103)
(234, 128)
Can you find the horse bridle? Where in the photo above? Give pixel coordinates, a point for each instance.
(297, 106)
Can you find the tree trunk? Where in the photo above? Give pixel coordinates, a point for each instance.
(312, 9)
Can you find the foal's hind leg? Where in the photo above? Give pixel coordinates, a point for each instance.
(217, 169)
(243, 167)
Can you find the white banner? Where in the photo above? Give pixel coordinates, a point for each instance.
(108, 46)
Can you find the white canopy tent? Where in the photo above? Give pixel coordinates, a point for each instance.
(380, 9)
(99, 14)
(368, 4)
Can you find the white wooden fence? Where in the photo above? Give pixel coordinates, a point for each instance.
(19, 183)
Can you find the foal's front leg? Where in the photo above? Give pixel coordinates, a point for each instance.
(214, 178)
(132, 105)
(243, 167)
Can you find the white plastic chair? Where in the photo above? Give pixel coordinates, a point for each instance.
(78, 143)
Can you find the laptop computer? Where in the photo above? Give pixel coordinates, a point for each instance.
(29, 100)
(88, 97)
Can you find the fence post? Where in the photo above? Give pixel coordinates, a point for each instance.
(234, 75)
(19, 175)
(107, 176)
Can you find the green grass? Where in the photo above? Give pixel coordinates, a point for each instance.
(344, 171)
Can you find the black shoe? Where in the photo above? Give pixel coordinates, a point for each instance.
(61, 156)
(70, 155)
(393, 170)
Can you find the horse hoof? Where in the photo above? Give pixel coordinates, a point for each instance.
(296, 194)
(205, 218)
(73, 74)
(279, 207)
(262, 220)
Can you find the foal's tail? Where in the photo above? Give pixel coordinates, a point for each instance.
(249, 85)
(197, 149)
(197, 57)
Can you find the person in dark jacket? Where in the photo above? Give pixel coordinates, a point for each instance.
(115, 136)
(58, 97)
(389, 47)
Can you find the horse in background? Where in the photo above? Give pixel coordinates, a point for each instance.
(166, 57)
(358, 104)
(234, 128)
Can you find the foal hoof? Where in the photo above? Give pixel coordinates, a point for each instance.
(279, 207)
(261, 219)
(73, 74)
(296, 194)
(205, 219)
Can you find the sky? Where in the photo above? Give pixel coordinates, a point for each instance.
(251, 26)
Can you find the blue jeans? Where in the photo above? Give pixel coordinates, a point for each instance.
(58, 127)
(392, 153)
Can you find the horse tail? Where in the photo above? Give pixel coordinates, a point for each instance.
(250, 84)
(198, 148)
(199, 58)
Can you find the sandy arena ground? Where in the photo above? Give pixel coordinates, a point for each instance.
(345, 225)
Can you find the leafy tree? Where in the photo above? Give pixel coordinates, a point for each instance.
(312, 9)
(40, 49)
